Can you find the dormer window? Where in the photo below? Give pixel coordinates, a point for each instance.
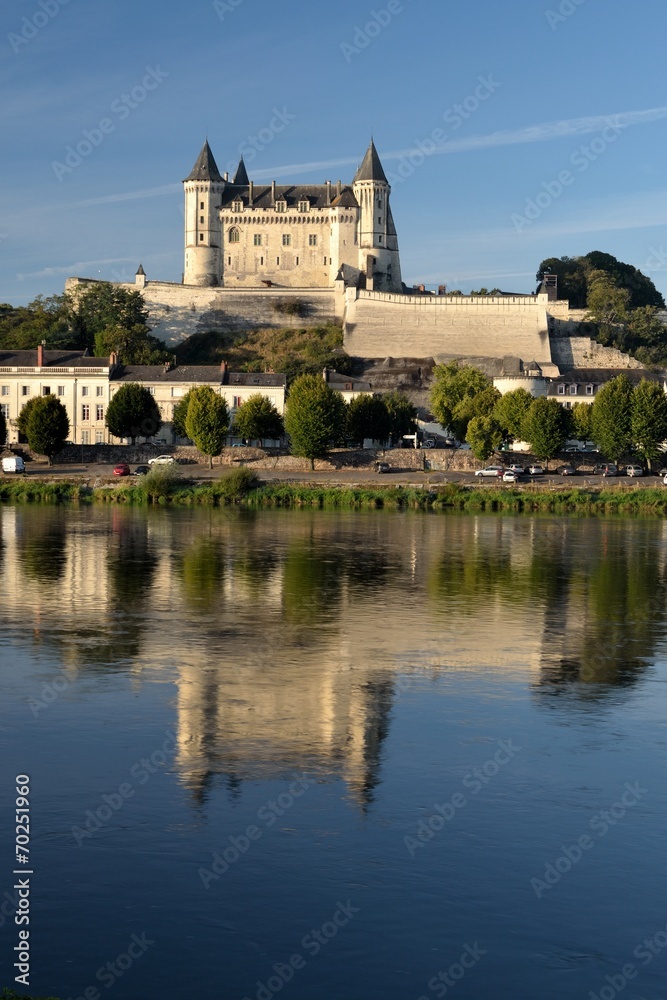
(561, 390)
(573, 389)
(237, 206)
(304, 205)
(281, 205)
(590, 390)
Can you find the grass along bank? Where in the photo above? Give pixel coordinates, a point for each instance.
(242, 487)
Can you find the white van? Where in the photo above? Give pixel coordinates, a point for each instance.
(13, 464)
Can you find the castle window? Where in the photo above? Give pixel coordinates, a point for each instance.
(312, 240)
(281, 205)
(304, 206)
(201, 237)
(234, 236)
(229, 261)
(379, 239)
(297, 261)
(237, 206)
(261, 261)
(257, 239)
(201, 220)
(325, 260)
(201, 206)
(277, 260)
(379, 220)
(287, 240)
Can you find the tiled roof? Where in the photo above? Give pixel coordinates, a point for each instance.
(205, 168)
(339, 381)
(262, 196)
(256, 378)
(371, 168)
(52, 359)
(241, 175)
(199, 374)
(598, 376)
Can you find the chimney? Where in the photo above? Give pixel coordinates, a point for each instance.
(113, 360)
(339, 189)
(40, 356)
(273, 192)
(225, 176)
(328, 184)
(251, 186)
(224, 371)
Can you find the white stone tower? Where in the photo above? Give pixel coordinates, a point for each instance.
(203, 228)
(378, 242)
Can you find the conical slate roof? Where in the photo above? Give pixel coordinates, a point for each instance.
(241, 175)
(371, 168)
(205, 169)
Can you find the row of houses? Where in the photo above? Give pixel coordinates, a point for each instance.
(580, 385)
(85, 385)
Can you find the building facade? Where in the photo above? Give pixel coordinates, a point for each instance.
(241, 234)
(85, 385)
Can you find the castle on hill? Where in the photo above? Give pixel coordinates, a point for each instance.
(244, 235)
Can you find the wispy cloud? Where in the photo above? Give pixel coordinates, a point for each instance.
(110, 199)
(75, 268)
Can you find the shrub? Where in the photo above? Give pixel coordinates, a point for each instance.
(237, 483)
(160, 481)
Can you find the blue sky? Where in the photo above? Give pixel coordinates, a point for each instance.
(557, 147)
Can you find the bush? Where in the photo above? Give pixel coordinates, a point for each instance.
(237, 483)
(291, 307)
(160, 481)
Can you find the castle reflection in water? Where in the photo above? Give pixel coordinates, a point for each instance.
(288, 636)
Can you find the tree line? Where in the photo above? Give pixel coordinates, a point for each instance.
(620, 418)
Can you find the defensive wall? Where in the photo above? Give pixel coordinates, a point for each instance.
(382, 324)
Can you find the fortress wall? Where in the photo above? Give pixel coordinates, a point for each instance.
(385, 325)
(177, 311)
(582, 352)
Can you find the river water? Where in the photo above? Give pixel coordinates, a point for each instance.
(335, 755)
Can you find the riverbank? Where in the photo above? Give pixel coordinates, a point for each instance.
(240, 487)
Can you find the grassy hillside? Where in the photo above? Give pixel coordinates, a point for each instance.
(291, 351)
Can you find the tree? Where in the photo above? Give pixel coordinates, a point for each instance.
(3, 429)
(482, 404)
(258, 419)
(133, 412)
(484, 435)
(401, 415)
(48, 426)
(545, 427)
(314, 418)
(180, 415)
(611, 418)
(649, 419)
(24, 415)
(368, 417)
(207, 421)
(571, 274)
(608, 308)
(582, 428)
(454, 386)
(133, 345)
(510, 411)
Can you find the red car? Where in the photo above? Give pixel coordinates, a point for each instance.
(122, 469)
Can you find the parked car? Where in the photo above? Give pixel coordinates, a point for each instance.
(566, 470)
(510, 476)
(428, 442)
(162, 460)
(634, 470)
(142, 470)
(535, 470)
(491, 470)
(519, 469)
(122, 469)
(664, 479)
(13, 464)
(609, 469)
(382, 467)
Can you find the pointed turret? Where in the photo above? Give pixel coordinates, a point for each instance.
(205, 168)
(371, 168)
(241, 175)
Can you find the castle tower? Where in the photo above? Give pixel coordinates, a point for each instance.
(378, 242)
(203, 229)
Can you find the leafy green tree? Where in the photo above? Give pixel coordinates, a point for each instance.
(649, 419)
(608, 308)
(611, 418)
(24, 415)
(480, 405)
(42, 320)
(102, 305)
(453, 384)
(582, 427)
(402, 415)
(314, 417)
(510, 411)
(134, 346)
(258, 419)
(207, 421)
(133, 412)
(3, 428)
(180, 415)
(48, 426)
(546, 427)
(571, 274)
(368, 417)
(484, 435)
(642, 290)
